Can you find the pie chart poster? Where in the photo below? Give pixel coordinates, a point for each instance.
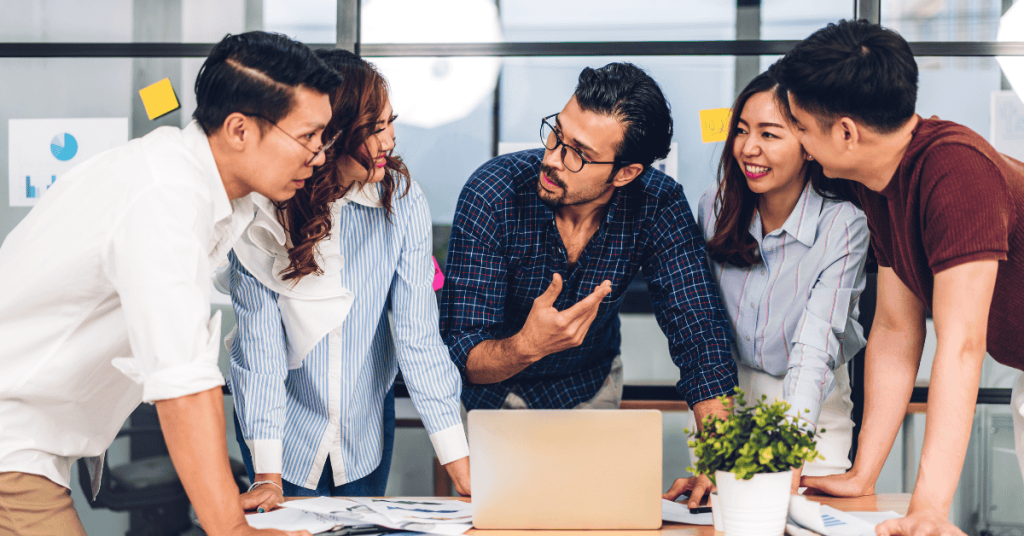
(41, 150)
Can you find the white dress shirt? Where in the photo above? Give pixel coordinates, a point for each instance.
(794, 315)
(105, 297)
(312, 361)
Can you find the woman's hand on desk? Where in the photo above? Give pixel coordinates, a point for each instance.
(459, 473)
(849, 484)
(264, 497)
(698, 486)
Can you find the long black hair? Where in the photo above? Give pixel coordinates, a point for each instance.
(735, 202)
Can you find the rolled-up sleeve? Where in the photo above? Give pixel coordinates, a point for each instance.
(157, 262)
(258, 368)
(817, 346)
(473, 300)
(688, 308)
(432, 378)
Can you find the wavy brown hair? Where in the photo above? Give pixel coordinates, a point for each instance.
(356, 108)
(735, 202)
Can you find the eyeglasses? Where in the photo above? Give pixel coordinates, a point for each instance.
(572, 158)
(317, 153)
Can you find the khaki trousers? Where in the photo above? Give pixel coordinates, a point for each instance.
(32, 505)
(609, 396)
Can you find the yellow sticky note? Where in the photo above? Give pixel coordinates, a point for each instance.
(159, 98)
(714, 124)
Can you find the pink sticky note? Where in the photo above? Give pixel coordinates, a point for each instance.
(438, 276)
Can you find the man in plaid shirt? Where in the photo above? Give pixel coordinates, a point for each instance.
(545, 243)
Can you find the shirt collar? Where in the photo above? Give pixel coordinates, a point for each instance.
(197, 141)
(368, 195)
(802, 223)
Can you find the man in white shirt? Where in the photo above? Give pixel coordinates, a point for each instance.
(104, 286)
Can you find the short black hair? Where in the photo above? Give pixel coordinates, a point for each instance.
(257, 73)
(631, 95)
(856, 69)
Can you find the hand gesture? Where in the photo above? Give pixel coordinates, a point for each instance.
(548, 330)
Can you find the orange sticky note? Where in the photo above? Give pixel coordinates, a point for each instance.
(714, 124)
(159, 98)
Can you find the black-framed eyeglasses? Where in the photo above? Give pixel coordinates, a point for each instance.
(317, 153)
(572, 158)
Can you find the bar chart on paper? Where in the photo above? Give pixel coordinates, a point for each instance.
(42, 150)
(31, 192)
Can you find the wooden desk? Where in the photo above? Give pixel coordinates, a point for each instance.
(897, 502)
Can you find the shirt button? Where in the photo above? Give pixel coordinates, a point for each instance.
(748, 337)
(334, 375)
(334, 420)
(762, 272)
(751, 304)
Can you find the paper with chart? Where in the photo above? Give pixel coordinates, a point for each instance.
(294, 519)
(827, 521)
(441, 511)
(41, 150)
(445, 517)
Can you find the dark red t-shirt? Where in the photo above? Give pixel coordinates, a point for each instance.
(955, 199)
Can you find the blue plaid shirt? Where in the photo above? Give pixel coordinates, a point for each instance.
(505, 247)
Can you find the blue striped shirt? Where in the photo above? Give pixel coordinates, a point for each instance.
(794, 315)
(332, 405)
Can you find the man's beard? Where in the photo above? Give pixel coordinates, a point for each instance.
(549, 199)
(553, 201)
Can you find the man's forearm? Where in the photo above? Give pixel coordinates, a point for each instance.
(952, 396)
(193, 428)
(496, 360)
(711, 406)
(891, 363)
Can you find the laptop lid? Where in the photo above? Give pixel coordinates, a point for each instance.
(566, 469)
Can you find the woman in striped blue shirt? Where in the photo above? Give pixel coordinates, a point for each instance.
(316, 351)
(787, 249)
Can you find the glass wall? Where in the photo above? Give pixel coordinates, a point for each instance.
(456, 112)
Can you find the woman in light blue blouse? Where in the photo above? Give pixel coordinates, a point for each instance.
(316, 352)
(788, 253)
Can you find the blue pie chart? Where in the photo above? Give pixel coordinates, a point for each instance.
(64, 147)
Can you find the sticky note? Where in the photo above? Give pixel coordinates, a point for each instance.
(714, 124)
(438, 276)
(159, 98)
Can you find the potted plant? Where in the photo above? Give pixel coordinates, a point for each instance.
(750, 457)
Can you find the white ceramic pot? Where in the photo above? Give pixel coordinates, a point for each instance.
(755, 507)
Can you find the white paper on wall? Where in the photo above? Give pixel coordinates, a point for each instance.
(1007, 130)
(41, 150)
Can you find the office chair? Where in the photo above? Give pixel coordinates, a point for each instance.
(148, 487)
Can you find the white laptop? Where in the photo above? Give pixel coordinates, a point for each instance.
(566, 469)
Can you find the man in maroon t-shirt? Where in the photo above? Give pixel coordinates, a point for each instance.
(944, 209)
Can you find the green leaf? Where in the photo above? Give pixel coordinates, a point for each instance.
(761, 438)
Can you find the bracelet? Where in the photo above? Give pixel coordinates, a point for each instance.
(255, 484)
